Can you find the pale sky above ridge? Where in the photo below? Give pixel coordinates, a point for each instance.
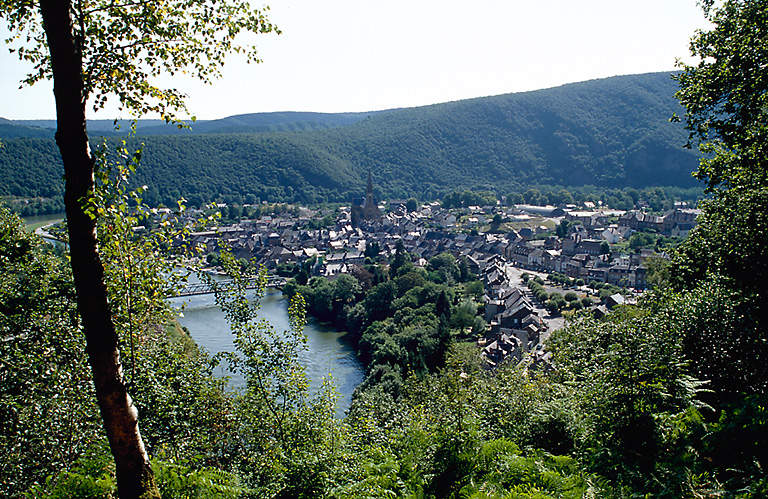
(363, 55)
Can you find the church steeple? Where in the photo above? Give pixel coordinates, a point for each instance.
(368, 210)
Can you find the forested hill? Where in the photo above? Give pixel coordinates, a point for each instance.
(9, 129)
(241, 123)
(611, 132)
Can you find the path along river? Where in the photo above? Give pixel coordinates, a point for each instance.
(326, 353)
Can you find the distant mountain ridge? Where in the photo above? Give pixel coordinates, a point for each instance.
(612, 132)
(13, 129)
(242, 123)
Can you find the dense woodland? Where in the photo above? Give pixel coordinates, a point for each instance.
(663, 399)
(608, 133)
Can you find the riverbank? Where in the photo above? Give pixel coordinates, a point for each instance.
(39, 221)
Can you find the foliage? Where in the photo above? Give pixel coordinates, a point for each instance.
(138, 269)
(729, 240)
(123, 58)
(666, 398)
(634, 393)
(468, 198)
(48, 414)
(724, 94)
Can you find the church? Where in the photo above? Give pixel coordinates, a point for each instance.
(368, 211)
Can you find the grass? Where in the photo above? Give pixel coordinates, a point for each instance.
(42, 223)
(177, 335)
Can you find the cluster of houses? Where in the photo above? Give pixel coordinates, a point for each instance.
(515, 326)
(430, 230)
(584, 252)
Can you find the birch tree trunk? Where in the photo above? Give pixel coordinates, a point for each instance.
(120, 417)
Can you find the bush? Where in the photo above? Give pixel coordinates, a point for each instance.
(571, 296)
(551, 306)
(576, 305)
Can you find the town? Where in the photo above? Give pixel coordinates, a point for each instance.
(523, 254)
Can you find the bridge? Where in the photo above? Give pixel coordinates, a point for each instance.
(202, 288)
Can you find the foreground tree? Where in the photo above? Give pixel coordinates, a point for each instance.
(93, 51)
(721, 268)
(726, 94)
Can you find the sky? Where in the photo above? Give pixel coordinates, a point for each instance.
(363, 55)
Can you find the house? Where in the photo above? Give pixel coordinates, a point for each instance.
(614, 300)
(612, 235)
(642, 221)
(354, 257)
(679, 221)
(621, 275)
(585, 218)
(512, 318)
(334, 269)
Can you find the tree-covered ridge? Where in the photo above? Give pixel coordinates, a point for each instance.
(610, 133)
(11, 129)
(241, 123)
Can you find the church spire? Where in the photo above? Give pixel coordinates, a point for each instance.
(368, 210)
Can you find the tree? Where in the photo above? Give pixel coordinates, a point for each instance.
(725, 94)
(399, 259)
(345, 289)
(532, 196)
(720, 269)
(465, 313)
(443, 305)
(514, 198)
(444, 264)
(95, 50)
(372, 249)
(464, 272)
(496, 222)
(47, 411)
(564, 197)
(378, 301)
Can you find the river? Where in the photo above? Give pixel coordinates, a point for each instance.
(326, 353)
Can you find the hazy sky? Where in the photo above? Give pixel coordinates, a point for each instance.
(360, 55)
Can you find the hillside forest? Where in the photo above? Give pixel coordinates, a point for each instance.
(612, 134)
